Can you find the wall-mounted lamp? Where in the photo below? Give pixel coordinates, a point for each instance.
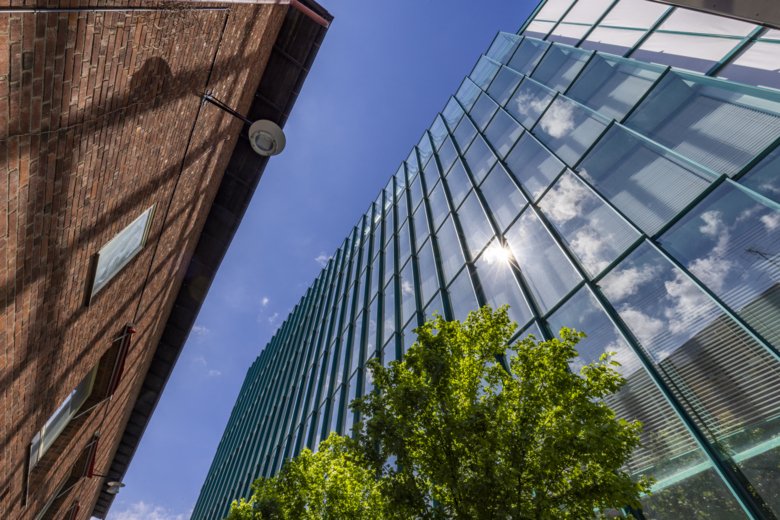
(265, 137)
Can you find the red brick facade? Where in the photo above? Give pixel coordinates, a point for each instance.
(97, 109)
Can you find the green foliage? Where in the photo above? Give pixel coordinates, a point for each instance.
(467, 439)
(333, 483)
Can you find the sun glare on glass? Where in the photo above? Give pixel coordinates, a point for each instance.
(497, 254)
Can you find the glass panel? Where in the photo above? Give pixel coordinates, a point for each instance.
(404, 244)
(763, 178)
(416, 192)
(553, 10)
(462, 297)
(464, 133)
(401, 207)
(502, 132)
(645, 183)
(529, 101)
(467, 95)
(503, 46)
(480, 159)
(503, 85)
(400, 175)
(533, 166)
(375, 276)
(431, 175)
(447, 155)
(591, 229)
(757, 66)
(613, 40)
(484, 72)
(731, 242)
(504, 200)
(637, 14)
(476, 227)
(389, 309)
(458, 182)
(499, 284)
(317, 433)
(351, 396)
(118, 252)
(587, 11)
(389, 352)
(438, 203)
(425, 149)
(711, 122)
(546, 270)
(408, 303)
(685, 20)
(728, 384)
(357, 343)
(527, 55)
(435, 306)
(429, 284)
(453, 112)
(421, 230)
(438, 132)
(373, 329)
(451, 255)
(389, 227)
(335, 411)
(539, 29)
(685, 480)
(560, 66)
(389, 262)
(569, 34)
(409, 336)
(483, 111)
(569, 129)
(686, 51)
(612, 87)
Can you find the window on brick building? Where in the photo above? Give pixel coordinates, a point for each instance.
(118, 252)
(61, 417)
(66, 421)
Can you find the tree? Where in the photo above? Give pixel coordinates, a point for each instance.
(333, 483)
(470, 440)
(459, 429)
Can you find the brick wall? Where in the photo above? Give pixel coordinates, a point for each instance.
(96, 112)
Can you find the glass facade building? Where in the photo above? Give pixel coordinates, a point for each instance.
(601, 169)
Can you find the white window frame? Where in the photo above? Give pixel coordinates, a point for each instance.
(59, 420)
(102, 256)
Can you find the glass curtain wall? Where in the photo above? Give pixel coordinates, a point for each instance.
(581, 179)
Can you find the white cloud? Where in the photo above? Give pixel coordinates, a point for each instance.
(528, 103)
(200, 330)
(645, 327)
(214, 373)
(590, 247)
(143, 511)
(558, 120)
(564, 202)
(406, 287)
(625, 282)
(199, 360)
(272, 319)
(712, 223)
(771, 221)
(265, 301)
(322, 259)
(690, 305)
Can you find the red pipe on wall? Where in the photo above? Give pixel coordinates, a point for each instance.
(296, 4)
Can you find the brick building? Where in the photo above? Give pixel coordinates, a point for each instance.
(119, 193)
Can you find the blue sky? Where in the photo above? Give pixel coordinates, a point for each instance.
(384, 70)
